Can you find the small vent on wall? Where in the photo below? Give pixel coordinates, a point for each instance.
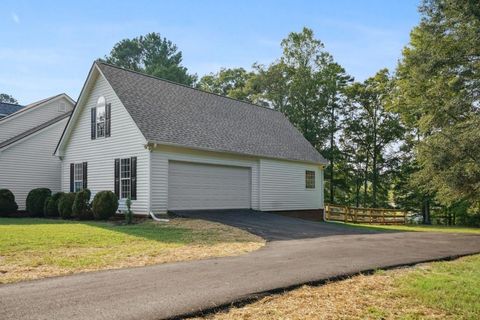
(62, 107)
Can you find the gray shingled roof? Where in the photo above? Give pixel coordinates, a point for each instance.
(170, 113)
(8, 108)
(33, 130)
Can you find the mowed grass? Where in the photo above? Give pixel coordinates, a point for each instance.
(38, 248)
(440, 290)
(417, 228)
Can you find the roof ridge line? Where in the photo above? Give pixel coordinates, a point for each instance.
(184, 85)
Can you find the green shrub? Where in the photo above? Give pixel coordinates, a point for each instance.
(51, 205)
(65, 204)
(36, 201)
(104, 205)
(7, 202)
(81, 205)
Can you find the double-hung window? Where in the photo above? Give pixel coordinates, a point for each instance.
(78, 176)
(125, 178)
(310, 179)
(125, 182)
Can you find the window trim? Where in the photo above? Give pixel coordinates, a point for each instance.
(310, 177)
(77, 176)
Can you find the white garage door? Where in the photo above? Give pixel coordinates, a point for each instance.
(204, 186)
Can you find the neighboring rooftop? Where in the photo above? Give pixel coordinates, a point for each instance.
(171, 113)
(8, 108)
(33, 130)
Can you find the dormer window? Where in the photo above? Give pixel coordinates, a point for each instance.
(100, 119)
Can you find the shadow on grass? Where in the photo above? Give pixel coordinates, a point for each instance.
(165, 233)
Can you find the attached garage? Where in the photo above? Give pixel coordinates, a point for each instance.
(206, 186)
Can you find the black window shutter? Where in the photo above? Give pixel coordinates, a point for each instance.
(93, 113)
(133, 178)
(117, 178)
(72, 172)
(108, 114)
(85, 175)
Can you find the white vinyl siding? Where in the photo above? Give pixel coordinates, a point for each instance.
(275, 184)
(28, 119)
(29, 163)
(207, 186)
(283, 186)
(160, 169)
(125, 141)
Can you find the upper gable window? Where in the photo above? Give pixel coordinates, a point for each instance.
(101, 119)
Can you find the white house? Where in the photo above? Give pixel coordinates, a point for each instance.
(28, 138)
(173, 147)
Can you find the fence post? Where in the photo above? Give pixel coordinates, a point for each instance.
(383, 216)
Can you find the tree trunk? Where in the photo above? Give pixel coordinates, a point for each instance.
(357, 190)
(332, 141)
(374, 161)
(365, 183)
(426, 210)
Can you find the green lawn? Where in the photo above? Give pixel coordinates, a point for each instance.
(453, 287)
(417, 228)
(36, 248)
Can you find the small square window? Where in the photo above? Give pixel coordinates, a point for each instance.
(310, 179)
(62, 107)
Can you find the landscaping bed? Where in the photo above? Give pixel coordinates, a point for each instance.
(32, 248)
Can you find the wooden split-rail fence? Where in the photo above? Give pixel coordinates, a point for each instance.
(365, 215)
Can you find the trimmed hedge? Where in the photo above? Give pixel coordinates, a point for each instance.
(51, 205)
(7, 202)
(104, 205)
(65, 204)
(81, 205)
(36, 201)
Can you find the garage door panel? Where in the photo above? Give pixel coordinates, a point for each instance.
(203, 186)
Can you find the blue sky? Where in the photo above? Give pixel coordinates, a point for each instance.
(49, 46)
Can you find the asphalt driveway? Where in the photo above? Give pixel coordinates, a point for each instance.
(272, 226)
(176, 289)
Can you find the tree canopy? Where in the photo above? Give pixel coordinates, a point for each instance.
(153, 55)
(438, 97)
(4, 97)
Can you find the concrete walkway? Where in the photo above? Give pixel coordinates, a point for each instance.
(170, 290)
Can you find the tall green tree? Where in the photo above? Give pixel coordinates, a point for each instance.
(375, 130)
(438, 97)
(153, 55)
(307, 85)
(4, 97)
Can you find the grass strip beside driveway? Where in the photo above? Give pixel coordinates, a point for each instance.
(38, 248)
(440, 290)
(415, 228)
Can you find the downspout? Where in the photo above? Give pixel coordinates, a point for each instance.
(157, 219)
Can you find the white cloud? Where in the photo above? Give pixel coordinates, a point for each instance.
(15, 18)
